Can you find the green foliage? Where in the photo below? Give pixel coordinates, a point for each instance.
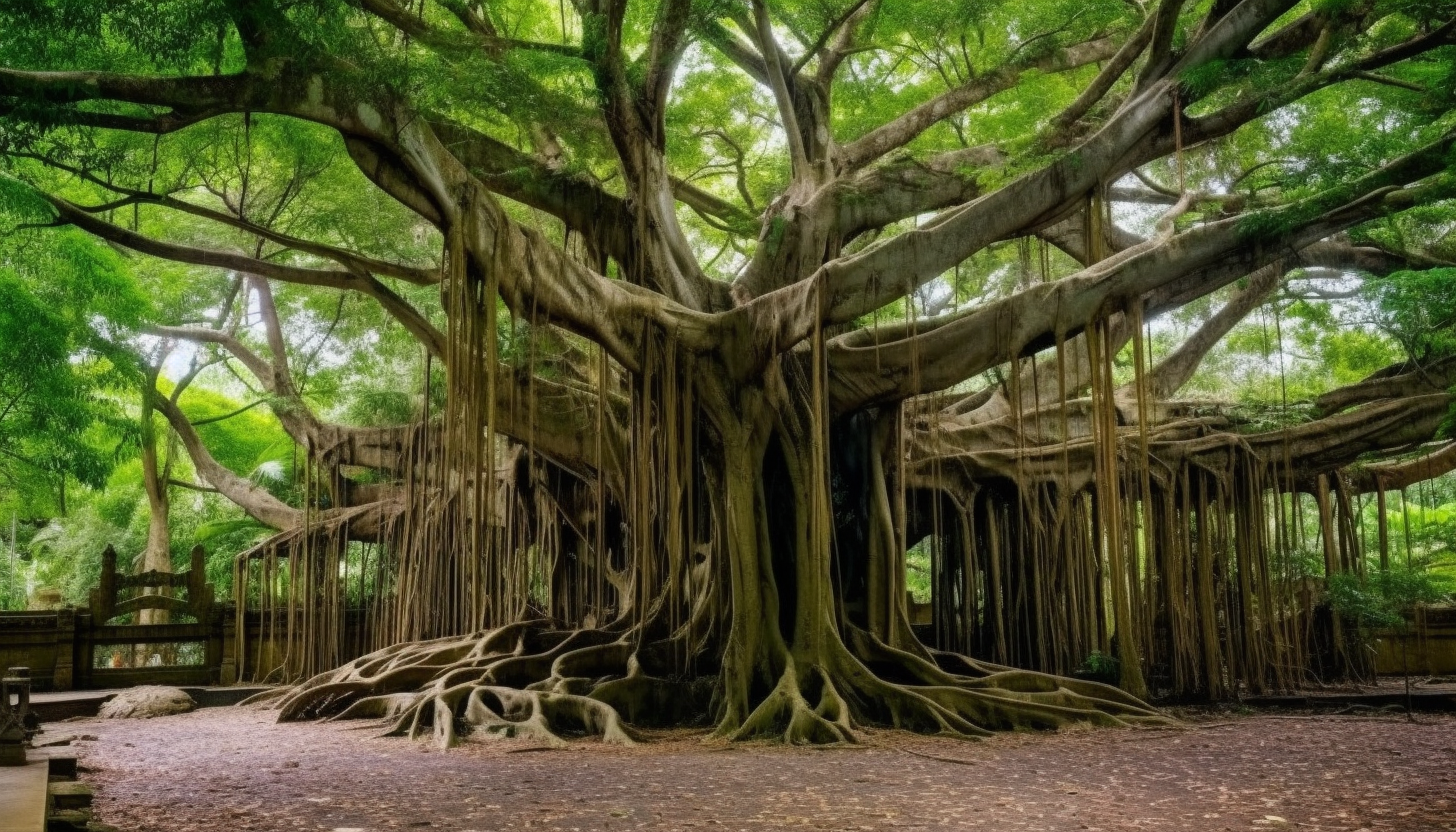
(1325, 344)
(1101, 667)
(65, 299)
(1418, 310)
(21, 203)
(65, 553)
(1305, 562)
(1421, 522)
(1200, 81)
(376, 408)
(917, 572)
(56, 419)
(1385, 598)
(243, 442)
(168, 32)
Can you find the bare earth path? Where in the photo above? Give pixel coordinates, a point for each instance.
(232, 768)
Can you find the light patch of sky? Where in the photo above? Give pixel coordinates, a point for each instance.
(270, 470)
(1285, 355)
(696, 66)
(1138, 217)
(720, 263)
(1282, 123)
(890, 69)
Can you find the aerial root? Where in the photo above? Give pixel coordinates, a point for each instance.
(382, 706)
(962, 710)
(905, 707)
(266, 696)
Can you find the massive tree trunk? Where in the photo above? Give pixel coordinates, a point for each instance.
(761, 642)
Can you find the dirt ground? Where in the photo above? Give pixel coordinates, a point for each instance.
(234, 768)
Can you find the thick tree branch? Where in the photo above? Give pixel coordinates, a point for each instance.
(1224, 121)
(182, 94)
(554, 418)
(1160, 54)
(250, 497)
(820, 42)
(800, 165)
(1211, 255)
(353, 261)
(1170, 374)
(1109, 75)
(902, 130)
(853, 286)
(535, 277)
(1409, 379)
(856, 285)
(1398, 474)
(477, 37)
(367, 284)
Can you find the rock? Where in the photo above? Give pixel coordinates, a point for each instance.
(146, 702)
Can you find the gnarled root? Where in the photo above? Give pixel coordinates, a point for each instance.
(963, 692)
(803, 709)
(531, 680)
(523, 680)
(509, 712)
(869, 683)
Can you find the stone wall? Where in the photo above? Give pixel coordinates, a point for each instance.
(42, 641)
(1429, 645)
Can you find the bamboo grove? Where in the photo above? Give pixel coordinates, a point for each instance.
(697, 369)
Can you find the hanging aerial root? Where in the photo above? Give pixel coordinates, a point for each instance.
(491, 710)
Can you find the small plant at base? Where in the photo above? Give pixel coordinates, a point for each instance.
(1100, 667)
(1385, 600)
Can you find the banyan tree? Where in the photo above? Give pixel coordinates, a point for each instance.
(722, 306)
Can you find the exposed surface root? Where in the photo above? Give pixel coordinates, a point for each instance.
(522, 680)
(997, 698)
(508, 712)
(532, 681)
(807, 710)
(873, 684)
